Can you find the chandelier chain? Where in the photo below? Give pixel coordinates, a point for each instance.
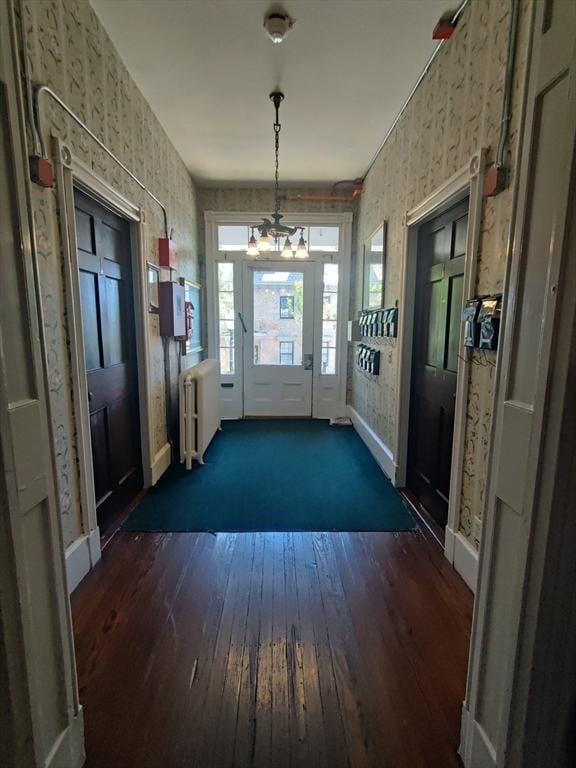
(277, 128)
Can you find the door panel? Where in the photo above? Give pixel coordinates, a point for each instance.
(278, 302)
(109, 346)
(439, 293)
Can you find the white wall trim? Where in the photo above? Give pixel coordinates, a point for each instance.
(290, 217)
(468, 181)
(376, 446)
(69, 750)
(81, 556)
(160, 463)
(72, 172)
(463, 556)
(476, 750)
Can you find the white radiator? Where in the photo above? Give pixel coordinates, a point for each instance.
(199, 394)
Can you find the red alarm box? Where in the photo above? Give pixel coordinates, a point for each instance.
(167, 253)
(172, 309)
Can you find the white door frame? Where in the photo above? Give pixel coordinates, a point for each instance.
(72, 173)
(214, 218)
(42, 718)
(522, 646)
(467, 182)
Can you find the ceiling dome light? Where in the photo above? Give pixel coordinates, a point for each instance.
(287, 250)
(277, 25)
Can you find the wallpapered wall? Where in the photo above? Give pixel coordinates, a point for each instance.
(69, 50)
(454, 112)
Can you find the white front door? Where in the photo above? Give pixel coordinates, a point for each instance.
(277, 324)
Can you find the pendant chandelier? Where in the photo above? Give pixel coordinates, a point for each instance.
(272, 231)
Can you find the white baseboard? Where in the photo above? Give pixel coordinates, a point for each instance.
(69, 751)
(463, 556)
(476, 749)
(161, 463)
(81, 556)
(375, 444)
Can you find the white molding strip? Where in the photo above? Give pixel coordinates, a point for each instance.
(69, 749)
(375, 444)
(463, 556)
(161, 463)
(81, 556)
(476, 750)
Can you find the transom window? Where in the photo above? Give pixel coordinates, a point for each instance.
(234, 238)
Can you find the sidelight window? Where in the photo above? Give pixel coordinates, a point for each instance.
(329, 319)
(226, 335)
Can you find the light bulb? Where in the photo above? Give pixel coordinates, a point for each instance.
(264, 243)
(287, 250)
(301, 251)
(252, 247)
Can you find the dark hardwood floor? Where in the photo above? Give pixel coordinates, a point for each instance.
(272, 650)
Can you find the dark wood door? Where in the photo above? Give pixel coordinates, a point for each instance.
(104, 257)
(439, 293)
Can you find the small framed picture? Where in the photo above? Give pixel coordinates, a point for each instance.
(153, 281)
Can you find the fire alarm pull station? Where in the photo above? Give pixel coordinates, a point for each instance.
(172, 309)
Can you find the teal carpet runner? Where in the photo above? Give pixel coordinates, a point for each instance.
(276, 475)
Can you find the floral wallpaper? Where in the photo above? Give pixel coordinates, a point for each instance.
(454, 112)
(69, 50)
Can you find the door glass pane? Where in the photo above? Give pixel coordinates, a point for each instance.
(226, 317)
(278, 298)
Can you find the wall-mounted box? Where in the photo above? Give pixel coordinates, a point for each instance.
(471, 325)
(354, 330)
(489, 322)
(167, 253)
(172, 310)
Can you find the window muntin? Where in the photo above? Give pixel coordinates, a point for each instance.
(329, 319)
(226, 319)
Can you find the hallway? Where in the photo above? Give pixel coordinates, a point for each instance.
(272, 649)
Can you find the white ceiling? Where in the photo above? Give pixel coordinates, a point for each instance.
(206, 68)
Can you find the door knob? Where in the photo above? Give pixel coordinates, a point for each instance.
(90, 395)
